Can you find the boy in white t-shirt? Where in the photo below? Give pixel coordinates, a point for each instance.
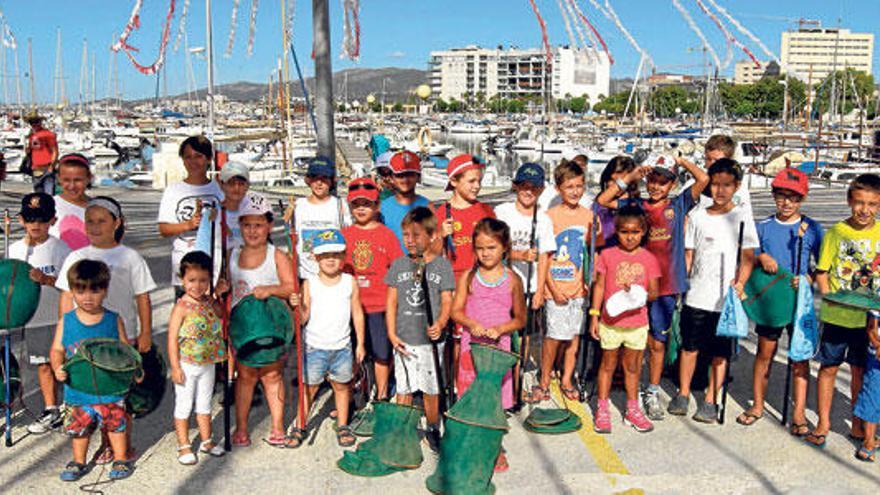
(710, 242)
(317, 212)
(45, 254)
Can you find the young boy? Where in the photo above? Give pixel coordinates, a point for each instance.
(565, 285)
(317, 212)
(330, 300)
(710, 242)
(45, 254)
(717, 147)
(89, 280)
(235, 183)
(781, 235)
(848, 260)
(406, 315)
(406, 169)
(370, 249)
(666, 219)
(384, 177)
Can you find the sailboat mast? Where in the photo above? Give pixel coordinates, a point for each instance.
(31, 75)
(285, 43)
(210, 48)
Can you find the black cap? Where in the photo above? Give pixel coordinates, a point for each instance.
(37, 207)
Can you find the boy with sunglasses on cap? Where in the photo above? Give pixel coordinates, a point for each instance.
(319, 211)
(45, 254)
(406, 170)
(371, 248)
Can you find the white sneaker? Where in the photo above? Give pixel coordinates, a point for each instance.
(48, 421)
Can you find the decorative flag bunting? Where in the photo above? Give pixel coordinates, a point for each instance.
(232, 22)
(351, 30)
(548, 53)
(696, 29)
(593, 29)
(181, 27)
(252, 27)
(727, 34)
(134, 23)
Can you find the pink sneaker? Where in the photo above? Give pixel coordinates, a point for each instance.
(635, 418)
(602, 421)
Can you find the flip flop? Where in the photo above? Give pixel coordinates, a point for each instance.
(280, 440)
(865, 455)
(799, 429)
(815, 440)
(241, 439)
(538, 394)
(748, 419)
(570, 393)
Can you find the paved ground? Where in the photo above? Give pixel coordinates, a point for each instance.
(680, 456)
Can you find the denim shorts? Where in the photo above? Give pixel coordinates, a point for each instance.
(841, 344)
(660, 313)
(335, 364)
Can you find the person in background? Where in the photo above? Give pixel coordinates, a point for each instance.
(42, 151)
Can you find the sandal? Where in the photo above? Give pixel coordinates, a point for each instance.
(214, 450)
(187, 459)
(344, 436)
(538, 394)
(121, 470)
(73, 471)
(570, 393)
(280, 440)
(865, 455)
(815, 440)
(748, 418)
(241, 439)
(104, 455)
(799, 429)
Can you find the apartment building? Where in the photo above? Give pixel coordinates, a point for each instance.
(823, 50)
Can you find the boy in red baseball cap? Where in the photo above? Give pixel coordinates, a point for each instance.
(406, 170)
(370, 249)
(781, 235)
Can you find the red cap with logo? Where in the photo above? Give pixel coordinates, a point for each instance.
(363, 188)
(791, 179)
(405, 161)
(461, 164)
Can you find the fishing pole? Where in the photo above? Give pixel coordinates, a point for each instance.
(422, 272)
(726, 382)
(583, 357)
(226, 303)
(290, 225)
(7, 359)
(530, 317)
(802, 229)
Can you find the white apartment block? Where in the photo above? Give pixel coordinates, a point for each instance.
(823, 50)
(514, 72)
(746, 72)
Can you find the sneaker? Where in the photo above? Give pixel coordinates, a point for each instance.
(637, 420)
(433, 438)
(679, 405)
(48, 421)
(707, 413)
(602, 422)
(652, 405)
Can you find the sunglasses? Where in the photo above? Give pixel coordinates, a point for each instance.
(366, 187)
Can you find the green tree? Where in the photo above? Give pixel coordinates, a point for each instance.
(455, 106)
(844, 82)
(614, 104)
(398, 107)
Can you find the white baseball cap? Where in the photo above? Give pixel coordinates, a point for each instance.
(622, 301)
(254, 204)
(234, 169)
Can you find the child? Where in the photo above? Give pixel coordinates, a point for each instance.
(626, 281)
(616, 169)
(550, 197)
(334, 297)
(74, 175)
(406, 169)
(317, 212)
(235, 183)
(406, 315)
(384, 176)
(258, 268)
(867, 406)
(848, 259)
(370, 249)
(565, 289)
(778, 235)
(180, 210)
(710, 242)
(666, 219)
(45, 254)
(490, 305)
(89, 281)
(717, 147)
(195, 344)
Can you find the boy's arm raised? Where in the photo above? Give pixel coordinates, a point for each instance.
(701, 178)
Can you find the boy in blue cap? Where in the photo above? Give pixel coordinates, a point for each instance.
(319, 211)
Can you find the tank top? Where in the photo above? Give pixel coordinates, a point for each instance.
(75, 332)
(244, 280)
(490, 305)
(200, 338)
(329, 314)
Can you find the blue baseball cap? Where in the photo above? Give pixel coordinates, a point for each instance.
(321, 166)
(530, 172)
(328, 241)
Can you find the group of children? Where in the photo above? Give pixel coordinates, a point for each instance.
(407, 278)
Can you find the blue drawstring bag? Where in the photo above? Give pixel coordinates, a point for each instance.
(733, 322)
(805, 334)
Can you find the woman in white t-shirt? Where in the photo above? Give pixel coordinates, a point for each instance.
(74, 175)
(180, 210)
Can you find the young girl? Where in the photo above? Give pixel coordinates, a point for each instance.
(489, 303)
(258, 269)
(626, 280)
(614, 173)
(74, 175)
(195, 344)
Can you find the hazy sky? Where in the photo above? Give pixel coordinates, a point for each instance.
(394, 33)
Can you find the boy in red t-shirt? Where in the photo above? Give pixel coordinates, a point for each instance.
(41, 146)
(370, 249)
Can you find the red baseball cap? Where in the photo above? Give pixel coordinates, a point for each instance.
(791, 179)
(405, 161)
(461, 164)
(363, 188)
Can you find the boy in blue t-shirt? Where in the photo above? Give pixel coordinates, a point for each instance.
(781, 235)
(406, 169)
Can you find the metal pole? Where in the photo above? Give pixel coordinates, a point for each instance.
(210, 48)
(323, 78)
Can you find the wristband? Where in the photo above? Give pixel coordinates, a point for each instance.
(594, 312)
(621, 184)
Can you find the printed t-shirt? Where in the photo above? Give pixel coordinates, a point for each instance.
(42, 143)
(666, 240)
(48, 257)
(520, 235)
(464, 221)
(550, 197)
(780, 241)
(572, 230)
(714, 241)
(852, 259)
(130, 277)
(412, 321)
(392, 212)
(178, 205)
(312, 218)
(368, 255)
(71, 224)
(626, 269)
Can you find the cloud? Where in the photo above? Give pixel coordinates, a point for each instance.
(397, 54)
